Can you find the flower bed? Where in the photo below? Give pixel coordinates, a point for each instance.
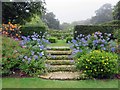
(28, 57)
(91, 54)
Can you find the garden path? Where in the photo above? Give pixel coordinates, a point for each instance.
(60, 64)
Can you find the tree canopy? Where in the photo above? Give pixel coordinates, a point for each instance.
(116, 13)
(20, 12)
(51, 21)
(103, 14)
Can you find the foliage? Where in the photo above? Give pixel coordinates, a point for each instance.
(29, 30)
(116, 13)
(10, 53)
(113, 22)
(21, 11)
(103, 14)
(36, 21)
(52, 39)
(98, 64)
(96, 41)
(51, 21)
(29, 58)
(117, 35)
(68, 39)
(65, 26)
(60, 34)
(89, 29)
(33, 63)
(11, 30)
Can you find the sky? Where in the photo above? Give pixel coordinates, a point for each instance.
(75, 10)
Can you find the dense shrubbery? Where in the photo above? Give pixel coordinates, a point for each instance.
(96, 41)
(52, 39)
(10, 53)
(68, 39)
(114, 22)
(33, 63)
(91, 50)
(11, 30)
(29, 58)
(83, 29)
(98, 64)
(60, 34)
(29, 30)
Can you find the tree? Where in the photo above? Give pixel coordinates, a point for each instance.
(20, 12)
(65, 25)
(103, 14)
(51, 21)
(116, 13)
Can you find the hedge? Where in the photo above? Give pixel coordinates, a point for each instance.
(29, 30)
(114, 22)
(89, 29)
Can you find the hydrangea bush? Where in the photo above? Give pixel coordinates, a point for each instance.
(33, 63)
(96, 54)
(26, 56)
(96, 41)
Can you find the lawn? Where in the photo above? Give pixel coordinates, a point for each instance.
(41, 83)
(60, 43)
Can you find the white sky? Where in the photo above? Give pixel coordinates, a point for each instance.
(75, 10)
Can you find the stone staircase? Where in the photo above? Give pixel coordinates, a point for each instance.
(60, 64)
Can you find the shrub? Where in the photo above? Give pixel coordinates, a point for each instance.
(11, 30)
(52, 39)
(85, 29)
(10, 53)
(114, 22)
(117, 34)
(33, 63)
(98, 64)
(60, 34)
(68, 39)
(29, 58)
(29, 30)
(96, 41)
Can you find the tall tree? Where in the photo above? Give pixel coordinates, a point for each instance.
(116, 13)
(20, 12)
(51, 21)
(103, 14)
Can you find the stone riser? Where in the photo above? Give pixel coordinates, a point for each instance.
(52, 52)
(60, 62)
(54, 68)
(59, 57)
(62, 76)
(59, 48)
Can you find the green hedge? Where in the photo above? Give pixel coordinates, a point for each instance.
(114, 22)
(29, 30)
(52, 39)
(89, 29)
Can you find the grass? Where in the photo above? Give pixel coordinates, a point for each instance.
(60, 43)
(41, 83)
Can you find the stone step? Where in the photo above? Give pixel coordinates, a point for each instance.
(62, 75)
(54, 68)
(60, 62)
(60, 57)
(59, 48)
(54, 52)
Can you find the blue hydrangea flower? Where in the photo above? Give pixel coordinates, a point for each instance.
(35, 57)
(113, 49)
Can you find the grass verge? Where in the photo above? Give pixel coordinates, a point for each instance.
(60, 43)
(41, 83)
